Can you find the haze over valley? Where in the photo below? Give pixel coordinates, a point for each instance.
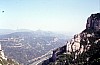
(49, 32)
(26, 45)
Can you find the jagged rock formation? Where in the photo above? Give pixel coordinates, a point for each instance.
(92, 26)
(93, 22)
(84, 48)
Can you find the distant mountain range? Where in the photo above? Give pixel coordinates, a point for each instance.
(8, 31)
(24, 45)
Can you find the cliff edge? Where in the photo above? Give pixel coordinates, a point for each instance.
(82, 49)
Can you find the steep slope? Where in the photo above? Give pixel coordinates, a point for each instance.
(83, 49)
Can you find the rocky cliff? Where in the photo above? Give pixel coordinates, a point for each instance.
(93, 22)
(83, 48)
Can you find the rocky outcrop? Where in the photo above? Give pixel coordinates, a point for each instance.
(82, 42)
(83, 48)
(93, 22)
(57, 52)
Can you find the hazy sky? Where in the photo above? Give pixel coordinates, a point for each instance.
(50, 15)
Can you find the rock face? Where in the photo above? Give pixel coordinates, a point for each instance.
(93, 22)
(92, 25)
(74, 45)
(83, 48)
(82, 42)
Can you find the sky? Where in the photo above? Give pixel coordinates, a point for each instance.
(48, 15)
